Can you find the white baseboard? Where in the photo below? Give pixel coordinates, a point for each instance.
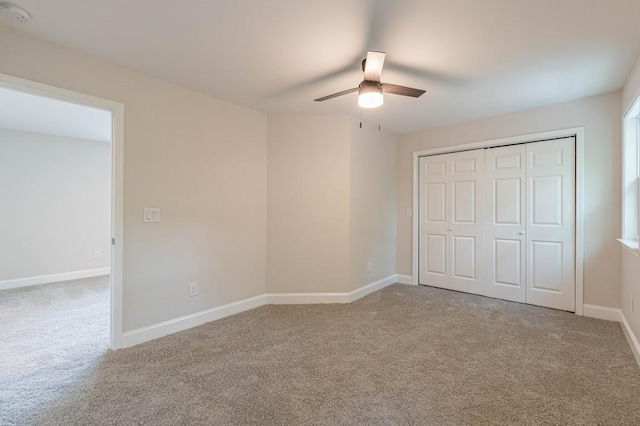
(631, 338)
(404, 279)
(53, 278)
(615, 314)
(602, 312)
(145, 334)
(370, 288)
(311, 298)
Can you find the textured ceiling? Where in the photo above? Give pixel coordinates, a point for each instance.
(475, 58)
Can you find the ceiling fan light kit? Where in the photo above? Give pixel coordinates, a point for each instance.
(370, 95)
(371, 89)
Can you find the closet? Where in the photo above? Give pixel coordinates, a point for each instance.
(500, 222)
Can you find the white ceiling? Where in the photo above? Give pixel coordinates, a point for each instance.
(475, 58)
(36, 114)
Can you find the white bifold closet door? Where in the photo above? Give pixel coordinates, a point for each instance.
(519, 221)
(452, 214)
(505, 245)
(551, 224)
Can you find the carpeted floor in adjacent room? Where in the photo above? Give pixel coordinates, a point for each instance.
(403, 355)
(52, 337)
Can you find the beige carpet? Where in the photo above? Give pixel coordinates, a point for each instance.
(51, 336)
(404, 355)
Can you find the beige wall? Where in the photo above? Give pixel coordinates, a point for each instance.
(372, 205)
(630, 262)
(600, 116)
(308, 212)
(56, 201)
(199, 159)
(331, 204)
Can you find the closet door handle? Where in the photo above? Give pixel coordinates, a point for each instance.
(450, 229)
(521, 233)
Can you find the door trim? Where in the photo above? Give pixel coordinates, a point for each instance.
(117, 181)
(577, 132)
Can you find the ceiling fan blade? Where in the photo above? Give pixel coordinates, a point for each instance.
(335, 95)
(373, 65)
(401, 90)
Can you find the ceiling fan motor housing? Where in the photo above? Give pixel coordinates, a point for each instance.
(370, 86)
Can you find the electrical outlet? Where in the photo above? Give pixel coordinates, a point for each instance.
(193, 289)
(97, 254)
(368, 266)
(409, 212)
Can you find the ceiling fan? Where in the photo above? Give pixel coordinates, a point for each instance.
(370, 90)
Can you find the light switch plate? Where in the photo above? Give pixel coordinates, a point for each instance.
(151, 215)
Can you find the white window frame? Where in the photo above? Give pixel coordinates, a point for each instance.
(631, 179)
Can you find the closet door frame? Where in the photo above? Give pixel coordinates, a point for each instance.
(578, 133)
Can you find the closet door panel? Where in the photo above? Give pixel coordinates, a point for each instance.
(434, 260)
(505, 222)
(451, 214)
(466, 227)
(551, 224)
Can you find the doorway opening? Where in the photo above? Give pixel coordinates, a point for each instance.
(63, 198)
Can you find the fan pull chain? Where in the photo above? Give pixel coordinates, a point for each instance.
(361, 118)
